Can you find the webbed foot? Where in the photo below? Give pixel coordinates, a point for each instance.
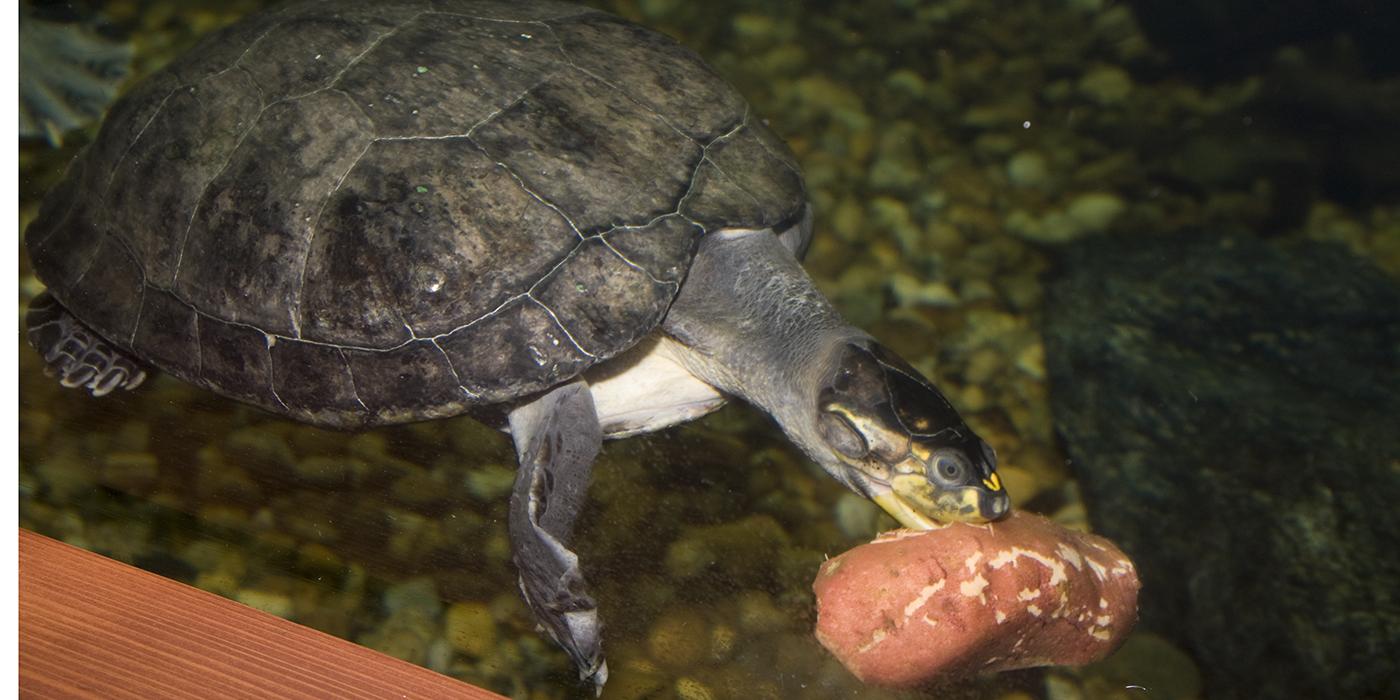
(556, 438)
(76, 355)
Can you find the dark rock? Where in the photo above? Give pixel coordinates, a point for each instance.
(1230, 408)
(1223, 38)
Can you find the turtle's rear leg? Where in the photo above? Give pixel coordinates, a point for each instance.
(76, 355)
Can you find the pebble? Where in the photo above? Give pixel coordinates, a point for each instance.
(690, 689)
(724, 639)
(848, 219)
(133, 436)
(1106, 85)
(130, 472)
(740, 550)
(1031, 360)
(471, 629)
(324, 471)
(420, 488)
(1092, 212)
(418, 594)
(906, 81)
(1059, 687)
(892, 215)
(66, 474)
(687, 557)
(1020, 484)
(633, 677)
(1150, 661)
(490, 483)
(270, 602)
(983, 365)
(753, 27)
(1028, 169)
(657, 9)
(316, 557)
(679, 639)
(35, 425)
(758, 614)
(218, 582)
(857, 516)
(258, 447)
(910, 291)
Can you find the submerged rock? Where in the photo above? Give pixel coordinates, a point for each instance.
(1229, 407)
(913, 607)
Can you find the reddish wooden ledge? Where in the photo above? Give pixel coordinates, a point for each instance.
(91, 627)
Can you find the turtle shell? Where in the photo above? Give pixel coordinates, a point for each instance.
(358, 213)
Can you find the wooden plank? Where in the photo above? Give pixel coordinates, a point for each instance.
(92, 627)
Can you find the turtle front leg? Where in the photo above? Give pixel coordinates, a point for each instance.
(76, 355)
(557, 437)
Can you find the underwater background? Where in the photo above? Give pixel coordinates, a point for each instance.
(1149, 250)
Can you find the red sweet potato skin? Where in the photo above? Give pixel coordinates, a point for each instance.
(911, 607)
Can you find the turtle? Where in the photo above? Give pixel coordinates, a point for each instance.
(536, 213)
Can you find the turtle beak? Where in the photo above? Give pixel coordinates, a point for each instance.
(919, 505)
(904, 512)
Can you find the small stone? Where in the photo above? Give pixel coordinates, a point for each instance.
(723, 640)
(218, 582)
(633, 677)
(318, 557)
(418, 593)
(973, 398)
(420, 488)
(909, 291)
(490, 483)
(740, 550)
(848, 220)
(1106, 85)
(686, 558)
(267, 601)
(857, 516)
(753, 26)
(1020, 484)
(325, 472)
(471, 629)
(1028, 169)
(35, 426)
(1060, 687)
(690, 689)
(260, 449)
(907, 82)
(658, 9)
(1149, 661)
(400, 640)
(130, 472)
(758, 614)
(66, 475)
(1073, 516)
(679, 639)
(1092, 212)
(1031, 360)
(983, 366)
(976, 289)
(133, 436)
(787, 59)
(221, 516)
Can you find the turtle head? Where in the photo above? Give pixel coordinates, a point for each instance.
(902, 444)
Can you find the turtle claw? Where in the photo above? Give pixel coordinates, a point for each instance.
(75, 355)
(556, 438)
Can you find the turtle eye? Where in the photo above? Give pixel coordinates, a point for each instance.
(949, 469)
(843, 437)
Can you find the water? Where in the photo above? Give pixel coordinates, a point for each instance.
(952, 150)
